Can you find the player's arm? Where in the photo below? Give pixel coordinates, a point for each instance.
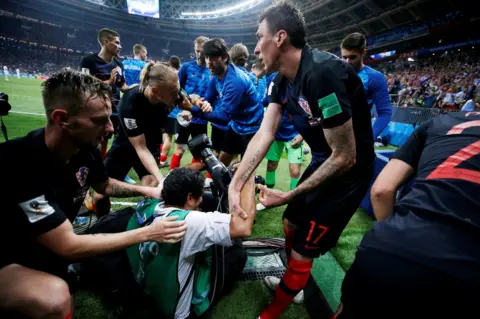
(242, 227)
(382, 103)
(64, 242)
(115, 188)
(140, 144)
(182, 75)
(398, 171)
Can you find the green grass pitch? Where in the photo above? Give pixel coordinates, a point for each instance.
(248, 298)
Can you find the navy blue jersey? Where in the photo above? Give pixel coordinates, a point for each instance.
(376, 89)
(239, 102)
(102, 70)
(326, 93)
(132, 69)
(194, 79)
(438, 222)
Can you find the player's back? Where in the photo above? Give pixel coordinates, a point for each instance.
(132, 69)
(437, 223)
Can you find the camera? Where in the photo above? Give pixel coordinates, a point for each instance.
(201, 148)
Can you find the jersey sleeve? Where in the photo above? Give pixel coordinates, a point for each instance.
(128, 117)
(332, 97)
(411, 151)
(205, 230)
(88, 64)
(381, 99)
(212, 93)
(182, 75)
(273, 90)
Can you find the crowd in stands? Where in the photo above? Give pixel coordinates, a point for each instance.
(446, 81)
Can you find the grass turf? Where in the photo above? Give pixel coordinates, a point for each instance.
(248, 298)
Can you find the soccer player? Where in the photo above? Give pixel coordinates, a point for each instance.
(194, 78)
(421, 259)
(44, 197)
(133, 67)
(18, 73)
(5, 72)
(353, 50)
(236, 100)
(106, 67)
(326, 100)
(171, 127)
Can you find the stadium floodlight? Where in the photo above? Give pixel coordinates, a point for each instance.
(225, 11)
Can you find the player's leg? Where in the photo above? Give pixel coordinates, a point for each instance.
(295, 160)
(230, 147)
(273, 156)
(146, 179)
(118, 162)
(170, 130)
(34, 293)
(180, 146)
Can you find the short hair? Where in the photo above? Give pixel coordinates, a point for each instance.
(139, 48)
(200, 40)
(258, 65)
(216, 48)
(179, 183)
(283, 15)
(174, 62)
(106, 34)
(239, 54)
(156, 73)
(72, 90)
(354, 41)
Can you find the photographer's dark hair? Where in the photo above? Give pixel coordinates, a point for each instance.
(179, 183)
(283, 15)
(72, 90)
(354, 41)
(174, 62)
(215, 48)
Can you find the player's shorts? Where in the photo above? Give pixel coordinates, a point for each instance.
(321, 214)
(192, 130)
(295, 155)
(234, 143)
(120, 160)
(171, 127)
(402, 289)
(218, 136)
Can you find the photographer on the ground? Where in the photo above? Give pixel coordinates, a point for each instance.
(143, 112)
(177, 275)
(45, 195)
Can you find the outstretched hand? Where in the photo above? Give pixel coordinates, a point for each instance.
(272, 197)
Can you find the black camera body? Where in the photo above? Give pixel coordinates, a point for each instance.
(5, 107)
(200, 147)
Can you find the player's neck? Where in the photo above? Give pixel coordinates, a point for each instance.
(290, 63)
(105, 55)
(59, 144)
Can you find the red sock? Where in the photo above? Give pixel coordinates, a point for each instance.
(194, 160)
(175, 161)
(161, 148)
(288, 241)
(294, 280)
(207, 175)
(69, 316)
(163, 158)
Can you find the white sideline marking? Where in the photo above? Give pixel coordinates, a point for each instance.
(124, 203)
(29, 113)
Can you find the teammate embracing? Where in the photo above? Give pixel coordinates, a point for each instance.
(326, 100)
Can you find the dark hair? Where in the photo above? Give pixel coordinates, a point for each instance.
(283, 15)
(179, 183)
(174, 62)
(216, 48)
(354, 41)
(71, 90)
(106, 34)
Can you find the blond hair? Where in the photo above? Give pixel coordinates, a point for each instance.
(156, 73)
(200, 40)
(139, 48)
(239, 54)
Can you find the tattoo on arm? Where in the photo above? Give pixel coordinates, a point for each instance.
(342, 142)
(120, 189)
(251, 166)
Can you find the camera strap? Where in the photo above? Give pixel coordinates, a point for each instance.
(4, 129)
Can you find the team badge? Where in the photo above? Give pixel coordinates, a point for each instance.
(304, 105)
(130, 124)
(82, 175)
(36, 208)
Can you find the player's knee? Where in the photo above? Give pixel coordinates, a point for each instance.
(295, 171)
(271, 166)
(180, 149)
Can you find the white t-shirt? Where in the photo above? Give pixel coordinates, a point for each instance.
(203, 231)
